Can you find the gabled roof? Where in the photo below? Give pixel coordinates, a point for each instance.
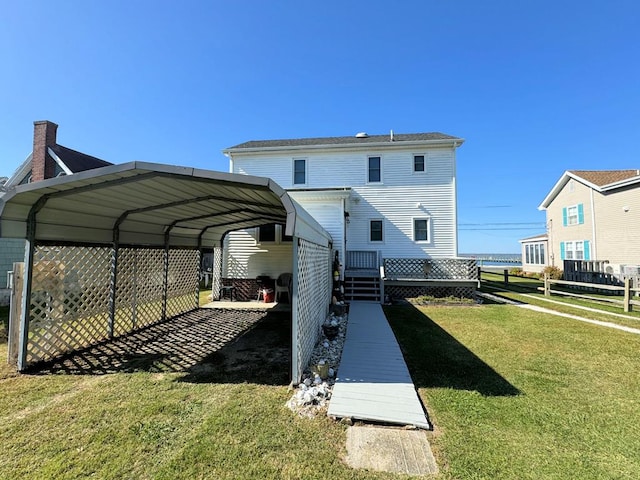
(69, 160)
(78, 161)
(329, 142)
(599, 180)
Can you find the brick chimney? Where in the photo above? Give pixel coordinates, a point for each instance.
(44, 135)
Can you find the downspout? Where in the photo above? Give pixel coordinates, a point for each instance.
(230, 162)
(594, 255)
(455, 203)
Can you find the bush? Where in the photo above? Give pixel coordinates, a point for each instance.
(516, 272)
(554, 272)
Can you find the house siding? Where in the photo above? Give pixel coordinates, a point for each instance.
(568, 196)
(11, 250)
(401, 196)
(248, 259)
(617, 232)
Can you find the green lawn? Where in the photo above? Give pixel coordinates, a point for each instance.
(517, 394)
(512, 394)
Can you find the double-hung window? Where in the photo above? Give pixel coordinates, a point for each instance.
(375, 170)
(573, 215)
(299, 171)
(418, 163)
(575, 250)
(375, 231)
(421, 230)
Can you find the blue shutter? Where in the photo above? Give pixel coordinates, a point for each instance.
(587, 253)
(561, 250)
(564, 217)
(580, 214)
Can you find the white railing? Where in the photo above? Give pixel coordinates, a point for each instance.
(363, 260)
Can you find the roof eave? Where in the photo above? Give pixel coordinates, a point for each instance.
(564, 179)
(453, 142)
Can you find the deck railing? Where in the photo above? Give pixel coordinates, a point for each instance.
(363, 260)
(431, 268)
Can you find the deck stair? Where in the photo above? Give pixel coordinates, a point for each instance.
(362, 285)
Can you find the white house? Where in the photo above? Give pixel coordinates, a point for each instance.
(383, 199)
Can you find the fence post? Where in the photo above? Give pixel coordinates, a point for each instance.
(15, 313)
(479, 274)
(506, 276)
(627, 294)
(547, 287)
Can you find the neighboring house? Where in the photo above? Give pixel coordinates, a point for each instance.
(594, 215)
(380, 197)
(535, 253)
(47, 160)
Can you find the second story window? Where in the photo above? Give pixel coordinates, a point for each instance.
(573, 215)
(418, 163)
(299, 171)
(421, 229)
(375, 174)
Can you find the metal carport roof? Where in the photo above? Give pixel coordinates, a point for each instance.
(140, 203)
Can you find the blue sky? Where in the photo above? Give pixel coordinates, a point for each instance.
(535, 88)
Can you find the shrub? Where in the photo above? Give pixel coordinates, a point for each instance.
(516, 272)
(554, 272)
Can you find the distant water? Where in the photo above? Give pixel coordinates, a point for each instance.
(505, 260)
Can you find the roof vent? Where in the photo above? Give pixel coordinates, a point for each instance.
(362, 135)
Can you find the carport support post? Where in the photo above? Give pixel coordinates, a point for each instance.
(295, 368)
(26, 292)
(165, 286)
(115, 250)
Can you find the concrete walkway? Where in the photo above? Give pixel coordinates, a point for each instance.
(373, 380)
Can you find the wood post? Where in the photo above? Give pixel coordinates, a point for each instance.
(547, 285)
(506, 276)
(627, 294)
(15, 313)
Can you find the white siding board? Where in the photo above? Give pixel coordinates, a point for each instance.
(394, 199)
(245, 258)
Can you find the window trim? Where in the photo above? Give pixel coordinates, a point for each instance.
(413, 229)
(574, 250)
(381, 220)
(293, 170)
(579, 215)
(368, 169)
(424, 163)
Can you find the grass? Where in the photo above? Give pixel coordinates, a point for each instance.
(161, 425)
(518, 394)
(524, 290)
(513, 394)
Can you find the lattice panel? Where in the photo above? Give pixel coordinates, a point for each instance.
(69, 300)
(313, 298)
(433, 268)
(417, 291)
(140, 288)
(216, 281)
(183, 281)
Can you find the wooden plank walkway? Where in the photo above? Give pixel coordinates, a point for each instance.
(373, 380)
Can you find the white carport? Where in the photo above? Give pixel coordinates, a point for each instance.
(114, 249)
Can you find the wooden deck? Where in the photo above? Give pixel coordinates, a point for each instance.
(373, 380)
